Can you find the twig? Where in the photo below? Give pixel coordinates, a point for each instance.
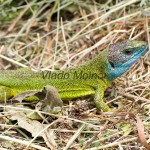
(22, 142)
(54, 115)
(68, 61)
(13, 61)
(114, 144)
(56, 44)
(74, 136)
(14, 22)
(135, 97)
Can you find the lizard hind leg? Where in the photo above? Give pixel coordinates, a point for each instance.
(6, 93)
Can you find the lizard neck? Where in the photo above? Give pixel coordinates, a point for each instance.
(98, 65)
(112, 73)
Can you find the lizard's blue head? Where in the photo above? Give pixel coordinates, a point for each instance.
(122, 55)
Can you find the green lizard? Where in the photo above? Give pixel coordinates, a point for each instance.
(92, 77)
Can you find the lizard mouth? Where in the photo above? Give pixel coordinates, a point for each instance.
(135, 57)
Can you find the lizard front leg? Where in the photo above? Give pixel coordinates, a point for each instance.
(98, 99)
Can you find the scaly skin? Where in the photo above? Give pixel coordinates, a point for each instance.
(92, 77)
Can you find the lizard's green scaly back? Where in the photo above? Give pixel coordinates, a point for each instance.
(92, 77)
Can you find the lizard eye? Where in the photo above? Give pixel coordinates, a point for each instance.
(127, 51)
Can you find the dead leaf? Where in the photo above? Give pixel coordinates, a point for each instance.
(7, 144)
(32, 115)
(141, 133)
(22, 95)
(52, 97)
(34, 127)
(49, 96)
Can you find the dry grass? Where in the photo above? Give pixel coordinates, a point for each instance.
(59, 34)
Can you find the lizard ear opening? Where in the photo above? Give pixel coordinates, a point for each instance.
(112, 64)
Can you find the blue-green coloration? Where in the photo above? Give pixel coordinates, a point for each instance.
(122, 55)
(92, 77)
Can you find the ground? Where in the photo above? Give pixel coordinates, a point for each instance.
(59, 34)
